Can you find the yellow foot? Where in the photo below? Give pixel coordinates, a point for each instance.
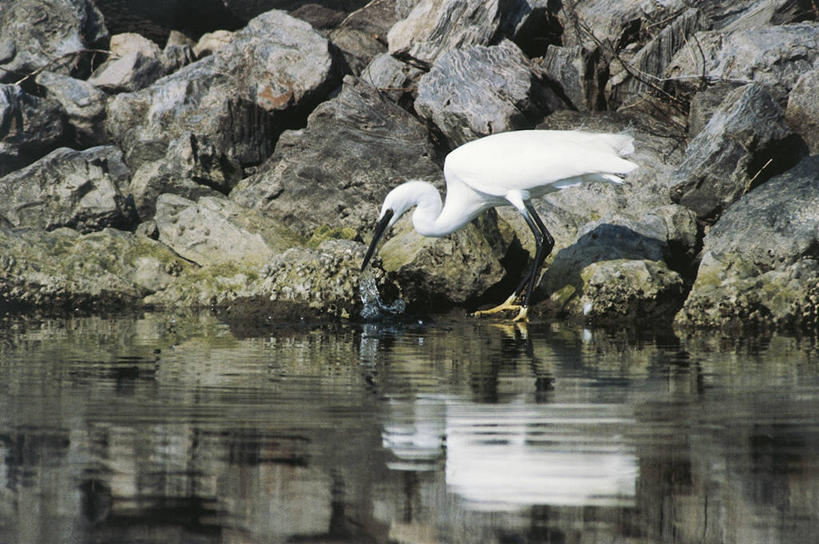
(508, 304)
(523, 315)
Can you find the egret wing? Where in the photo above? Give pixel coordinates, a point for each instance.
(536, 160)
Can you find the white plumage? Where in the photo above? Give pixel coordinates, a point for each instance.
(508, 168)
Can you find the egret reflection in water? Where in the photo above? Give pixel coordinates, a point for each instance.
(514, 455)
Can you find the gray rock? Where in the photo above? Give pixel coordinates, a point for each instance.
(177, 38)
(363, 34)
(577, 72)
(732, 153)
(215, 230)
(190, 168)
(66, 270)
(436, 272)
(775, 56)
(760, 264)
(175, 56)
(211, 42)
(322, 18)
(802, 112)
(247, 9)
(234, 103)
(681, 233)
(30, 127)
(396, 79)
(83, 104)
(66, 188)
(703, 105)
(300, 282)
(129, 42)
(335, 171)
(135, 63)
(750, 14)
(644, 71)
(37, 33)
(435, 26)
(322, 281)
(614, 22)
(615, 270)
(628, 291)
(481, 90)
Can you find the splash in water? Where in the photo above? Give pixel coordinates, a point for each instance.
(373, 306)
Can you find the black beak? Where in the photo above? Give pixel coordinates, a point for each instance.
(379, 232)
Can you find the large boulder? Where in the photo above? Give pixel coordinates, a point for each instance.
(247, 9)
(83, 190)
(435, 26)
(66, 270)
(299, 283)
(54, 33)
(617, 269)
(479, 90)
(614, 22)
(30, 127)
(774, 55)
(234, 103)
(435, 273)
(745, 142)
(394, 78)
(84, 106)
(215, 230)
(728, 15)
(324, 281)
(336, 171)
(760, 264)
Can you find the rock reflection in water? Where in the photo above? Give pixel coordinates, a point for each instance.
(163, 428)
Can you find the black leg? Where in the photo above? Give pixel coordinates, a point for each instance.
(543, 246)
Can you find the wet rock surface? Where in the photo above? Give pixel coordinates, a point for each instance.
(240, 161)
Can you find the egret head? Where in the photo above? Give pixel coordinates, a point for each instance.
(398, 201)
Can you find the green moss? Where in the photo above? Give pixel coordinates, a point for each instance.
(326, 232)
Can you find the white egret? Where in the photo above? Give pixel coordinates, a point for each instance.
(509, 168)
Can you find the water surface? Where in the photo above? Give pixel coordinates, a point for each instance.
(163, 428)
